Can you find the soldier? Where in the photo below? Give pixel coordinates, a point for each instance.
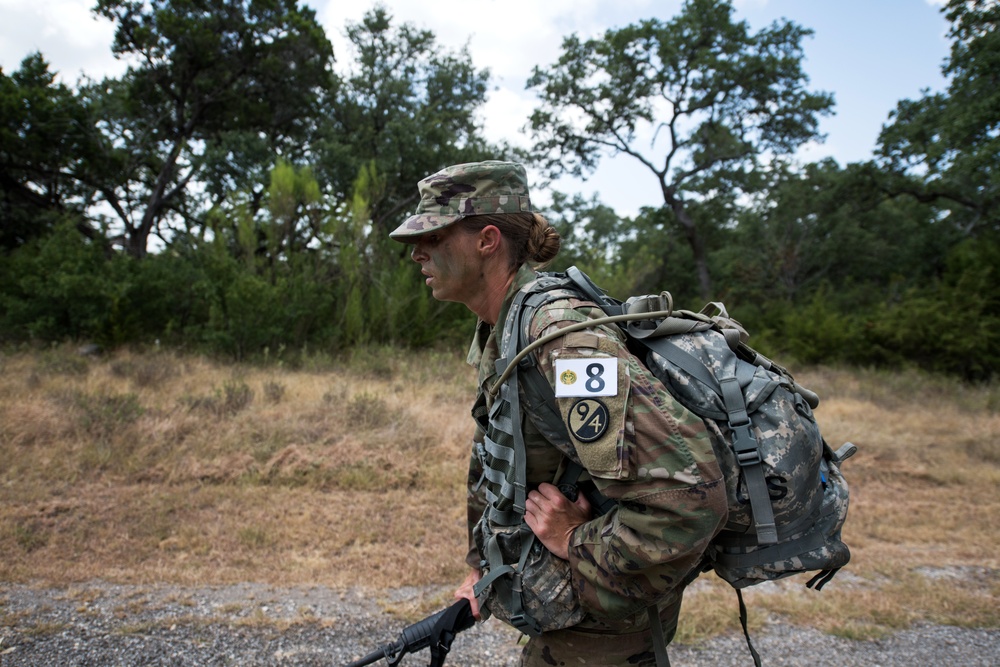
(600, 579)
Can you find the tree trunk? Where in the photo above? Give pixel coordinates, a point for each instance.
(697, 245)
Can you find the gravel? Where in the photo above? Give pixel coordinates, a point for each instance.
(253, 624)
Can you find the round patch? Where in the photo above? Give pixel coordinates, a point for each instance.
(588, 419)
(568, 377)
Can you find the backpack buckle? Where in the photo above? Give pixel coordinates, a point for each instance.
(745, 446)
(526, 624)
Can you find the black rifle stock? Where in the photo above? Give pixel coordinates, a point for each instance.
(435, 632)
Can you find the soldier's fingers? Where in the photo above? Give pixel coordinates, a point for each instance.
(550, 492)
(538, 500)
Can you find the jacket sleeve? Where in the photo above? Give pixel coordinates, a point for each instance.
(655, 460)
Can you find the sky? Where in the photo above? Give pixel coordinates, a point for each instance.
(869, 54)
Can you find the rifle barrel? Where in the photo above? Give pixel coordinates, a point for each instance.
(371, 658)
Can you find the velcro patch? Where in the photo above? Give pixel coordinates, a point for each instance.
(596, 422)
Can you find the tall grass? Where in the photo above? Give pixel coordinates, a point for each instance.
(160, 467)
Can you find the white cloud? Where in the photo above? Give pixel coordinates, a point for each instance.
(71, 38)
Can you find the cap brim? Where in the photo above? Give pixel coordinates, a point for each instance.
(417, 225)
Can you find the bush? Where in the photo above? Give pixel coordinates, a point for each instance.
(817, 333)
(61, 286)
(952, 327)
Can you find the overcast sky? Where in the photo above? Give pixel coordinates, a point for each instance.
(869, 53)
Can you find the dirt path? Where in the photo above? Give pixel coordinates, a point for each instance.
(253, 624)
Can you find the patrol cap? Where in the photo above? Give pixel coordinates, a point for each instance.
(462, 190)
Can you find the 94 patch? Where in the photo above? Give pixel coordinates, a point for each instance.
(588, 419)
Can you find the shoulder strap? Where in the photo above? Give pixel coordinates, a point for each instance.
(744, 442)
(606, 303)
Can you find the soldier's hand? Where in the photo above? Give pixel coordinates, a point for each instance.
(552, 517)
(465, 590)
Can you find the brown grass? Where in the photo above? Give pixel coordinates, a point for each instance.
(162, 468)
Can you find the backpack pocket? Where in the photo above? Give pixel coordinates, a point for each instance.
(817, 546)
(537, 596)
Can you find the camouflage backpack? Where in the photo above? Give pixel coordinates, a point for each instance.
(787, 497)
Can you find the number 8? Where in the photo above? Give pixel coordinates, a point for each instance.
(595, 383)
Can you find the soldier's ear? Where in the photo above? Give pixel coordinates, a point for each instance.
(490, 241)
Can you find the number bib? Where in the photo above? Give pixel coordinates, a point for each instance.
(586, 377)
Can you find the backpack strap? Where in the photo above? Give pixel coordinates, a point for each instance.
(746, 631)
(659, 641)
(505, 470)
(744, 442)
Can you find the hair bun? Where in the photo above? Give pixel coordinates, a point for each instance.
(544, 241)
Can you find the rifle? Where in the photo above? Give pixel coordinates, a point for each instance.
(436, 631)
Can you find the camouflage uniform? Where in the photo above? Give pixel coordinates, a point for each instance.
(655, 459)
(652, 456)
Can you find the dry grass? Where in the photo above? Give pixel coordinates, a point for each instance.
(143, 468)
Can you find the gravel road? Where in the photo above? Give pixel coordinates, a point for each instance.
(248, 625)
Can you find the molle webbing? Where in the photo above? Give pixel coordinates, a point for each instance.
(505, 473)
(504, 466)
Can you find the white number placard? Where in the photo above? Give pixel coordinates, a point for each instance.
(586, 377)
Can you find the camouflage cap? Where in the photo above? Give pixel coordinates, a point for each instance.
(456, 192)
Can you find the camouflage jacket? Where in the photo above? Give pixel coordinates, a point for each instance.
(653, 457)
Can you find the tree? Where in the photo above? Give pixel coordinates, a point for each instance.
(827, 227)
(719, 98)
(216, 88)
(46, 133)
(945, 147)
(408, 106)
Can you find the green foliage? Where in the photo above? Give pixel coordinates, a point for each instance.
(60, 285)
(46, 136)
(625, 257)
(724, 98)
(817, 332)
(949, 327)
(950, 141)
(953, 327)
(830, 226)
(272, 193)
(214, 85)
(406, 109)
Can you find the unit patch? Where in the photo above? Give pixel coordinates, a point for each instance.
(588, 419)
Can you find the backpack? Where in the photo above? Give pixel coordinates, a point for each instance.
(787, 497)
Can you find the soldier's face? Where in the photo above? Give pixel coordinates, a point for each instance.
(450, 262)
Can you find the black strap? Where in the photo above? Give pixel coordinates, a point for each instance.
(746, 632)
(822, 579)
(455, 618)
(659, 643)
